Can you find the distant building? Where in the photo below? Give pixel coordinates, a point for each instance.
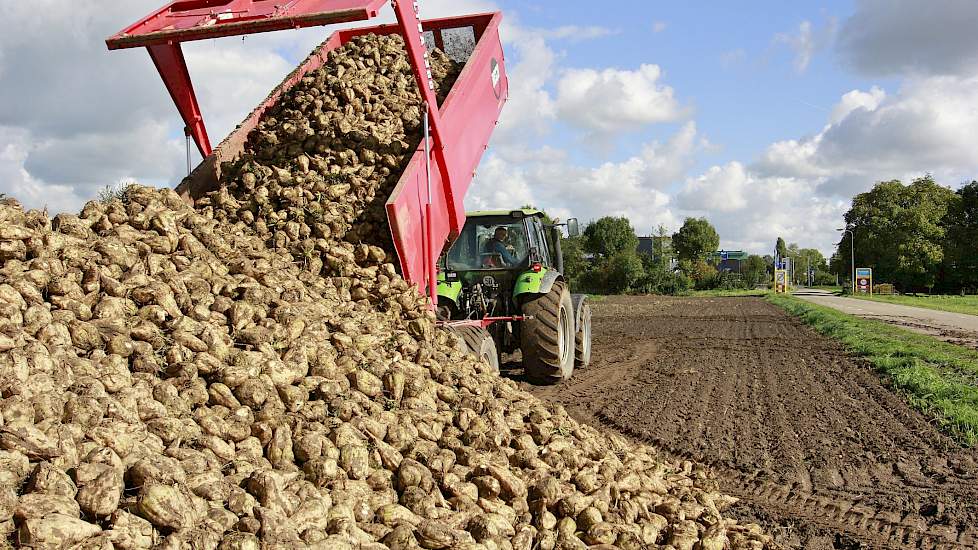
(659, 248)
(728, 260)
(646, 246)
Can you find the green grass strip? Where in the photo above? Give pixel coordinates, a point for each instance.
(937, 378)
(954, 304)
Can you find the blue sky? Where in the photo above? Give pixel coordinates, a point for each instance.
(764, 117)
(723, 60)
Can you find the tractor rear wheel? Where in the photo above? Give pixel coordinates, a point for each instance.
(548, 337)
(478, 342)
(582, 337)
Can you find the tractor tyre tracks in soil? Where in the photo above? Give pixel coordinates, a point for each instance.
(820, 451)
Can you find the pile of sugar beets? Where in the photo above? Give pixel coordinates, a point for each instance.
(252, 372)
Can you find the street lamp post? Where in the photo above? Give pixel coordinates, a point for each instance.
(852, 251)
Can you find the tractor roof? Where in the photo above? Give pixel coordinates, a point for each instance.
(528, 212)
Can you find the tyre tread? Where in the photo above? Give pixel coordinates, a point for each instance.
(541, 361)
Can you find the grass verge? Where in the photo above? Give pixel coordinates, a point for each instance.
(954, 304)
(937, 378)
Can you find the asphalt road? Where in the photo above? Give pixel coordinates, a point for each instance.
(957, 328)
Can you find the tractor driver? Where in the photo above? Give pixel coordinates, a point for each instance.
(498, 245)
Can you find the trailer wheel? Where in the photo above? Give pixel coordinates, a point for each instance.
(548, 338)
(478, 342)
(582, 337)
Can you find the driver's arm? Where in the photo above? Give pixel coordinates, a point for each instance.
(499, 248)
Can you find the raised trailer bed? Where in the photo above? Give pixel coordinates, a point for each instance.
(426, 209)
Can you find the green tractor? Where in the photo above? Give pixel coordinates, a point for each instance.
(501, 288)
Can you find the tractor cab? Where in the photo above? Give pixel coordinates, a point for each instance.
(498, 257)
(500, 241)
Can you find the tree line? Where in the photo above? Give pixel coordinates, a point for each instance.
(605, 260)
(919, 237)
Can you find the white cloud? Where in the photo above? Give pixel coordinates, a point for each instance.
(721, 189)
(530, 107)
(615, 100)
(18, 183)
(924, 127)
(637, 187)
(800, 188)
(857, 99)
(751, 211)
(234, 77)
(806, 41)
(803, 44)
(659, 26)
(899, 37)
(872, 136)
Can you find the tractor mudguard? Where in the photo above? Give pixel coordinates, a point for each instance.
(532, 282)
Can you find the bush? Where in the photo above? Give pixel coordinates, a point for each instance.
(729, 281)
(619, 274)
(660, 279)
(823, 278)
(703, 274)
(623, 272)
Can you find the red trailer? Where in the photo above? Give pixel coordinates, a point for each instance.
(538, 315)
(426, 208)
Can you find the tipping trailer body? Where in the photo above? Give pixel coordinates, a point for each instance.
(425, 210)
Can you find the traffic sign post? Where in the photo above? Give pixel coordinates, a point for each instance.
(864, 280)
(781, 281)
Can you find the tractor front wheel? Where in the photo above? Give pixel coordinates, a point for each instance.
(548, 336)
(478, 342)
(582, 338)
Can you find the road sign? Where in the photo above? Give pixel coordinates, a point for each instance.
(864, 280)
(781, 281)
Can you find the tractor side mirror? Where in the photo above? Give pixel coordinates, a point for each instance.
(573, 228)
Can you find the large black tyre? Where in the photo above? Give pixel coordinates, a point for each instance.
(478, 342)
(582, 337)
(547, 338)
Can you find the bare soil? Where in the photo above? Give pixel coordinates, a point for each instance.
(820, 451)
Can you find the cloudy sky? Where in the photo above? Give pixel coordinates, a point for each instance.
(766, 117)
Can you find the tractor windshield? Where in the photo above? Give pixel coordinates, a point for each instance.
(489, 243)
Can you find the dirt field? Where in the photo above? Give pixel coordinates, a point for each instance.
(820, 451)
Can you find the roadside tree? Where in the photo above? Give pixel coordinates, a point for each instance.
(695, 240)
(781, 248)
(900, 232)
(961, 248)
(755, 270)
(609, 236)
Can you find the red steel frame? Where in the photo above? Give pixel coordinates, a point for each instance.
(426, 209)
(162, 32)
(486, 322)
